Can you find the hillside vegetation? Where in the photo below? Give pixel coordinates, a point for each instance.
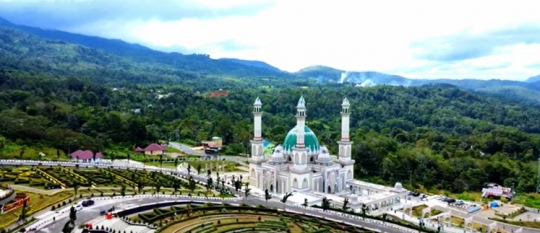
(437, 136)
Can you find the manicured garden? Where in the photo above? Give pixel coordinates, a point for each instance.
(222, 218)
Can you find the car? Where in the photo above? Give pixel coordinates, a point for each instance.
(78, 207)
(459, 202)
(87, 203)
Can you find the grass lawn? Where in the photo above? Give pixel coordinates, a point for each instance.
(459, 222)
(37, 203)
(417, 211)
(229, 166)
(520, 223)
(171, 149)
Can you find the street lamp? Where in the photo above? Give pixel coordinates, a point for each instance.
(69, 147)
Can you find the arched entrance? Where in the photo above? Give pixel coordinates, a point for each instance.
(329, 189)
(272, 188)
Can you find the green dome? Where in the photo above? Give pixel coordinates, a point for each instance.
(310, 140)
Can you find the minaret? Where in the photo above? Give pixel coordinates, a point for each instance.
(257, 119)
(300, 122)
(256, 145)
(300, 150)
(345, 142)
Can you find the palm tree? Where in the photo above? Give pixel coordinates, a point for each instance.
(123, 190)
(247, 192)
(364, 209)
(284, 199)
(345, 203)
(76, 187)
(188, 169)
(305, 203)
(209, 183)
(325, 204)
(192, 184)
(208, 172)
(267, 196)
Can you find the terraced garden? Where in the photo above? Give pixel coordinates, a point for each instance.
(55, 177)
(224, 218)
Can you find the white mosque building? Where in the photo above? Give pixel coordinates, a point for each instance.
(302, 166)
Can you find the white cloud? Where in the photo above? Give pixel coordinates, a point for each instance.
(347, 34)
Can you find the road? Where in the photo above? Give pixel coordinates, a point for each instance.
(92, 212)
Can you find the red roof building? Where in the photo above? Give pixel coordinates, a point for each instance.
(85, 155)
(152, 149)
(218, 94)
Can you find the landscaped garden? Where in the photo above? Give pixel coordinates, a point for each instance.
(222, 218)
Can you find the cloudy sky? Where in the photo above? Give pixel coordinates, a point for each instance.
(414, 38)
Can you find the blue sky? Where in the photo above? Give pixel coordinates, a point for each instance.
(455, 39)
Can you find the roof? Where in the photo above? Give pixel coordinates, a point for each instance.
(310, 140)
(85, 154)
(155, 147)
(138, 149)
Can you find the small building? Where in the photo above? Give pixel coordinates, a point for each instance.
(152, 149)
(86, 156)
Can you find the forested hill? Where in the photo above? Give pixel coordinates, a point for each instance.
(437, 136)
(133, 53)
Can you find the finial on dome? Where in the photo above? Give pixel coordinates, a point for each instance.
(257, 102)
(345, 102)
(301, 102)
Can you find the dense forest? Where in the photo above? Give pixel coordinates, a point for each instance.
(438, 136)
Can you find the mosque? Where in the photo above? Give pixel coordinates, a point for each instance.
(302, 166)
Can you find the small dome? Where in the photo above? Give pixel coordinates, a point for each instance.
(324, 156)
(398, 186)
(277, 156)
(310, 141)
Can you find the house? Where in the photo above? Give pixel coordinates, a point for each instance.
(219, 93)
(152, 149)
(86, 156)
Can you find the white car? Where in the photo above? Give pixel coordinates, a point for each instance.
(78, 207)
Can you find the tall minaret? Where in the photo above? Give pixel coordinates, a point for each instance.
(256, 146)
(345, 142)
(257, 119)
(300, 122)
(300, 150)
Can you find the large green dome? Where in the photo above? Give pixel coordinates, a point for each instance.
(310, 140)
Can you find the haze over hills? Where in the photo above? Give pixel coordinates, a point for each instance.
(201, 64)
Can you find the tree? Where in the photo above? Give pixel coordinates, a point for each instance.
(176, 162)
(192, 184)
(199, 169)
(122, 190)
(305, 203)
(94, 154)
(113, 156)
(176, 185)
(247, 191)
(267, 196)
(284, 199)
(76, 187)
(57, 153)
(161, 160)
(24, 211)
(325, 204)
(208, 172)
(189, 169)
(72, 213)
(140, 186)
(345, 203)
(128, 157)
(237, 185)
(364, 209)
(209, 183)
(21, 153)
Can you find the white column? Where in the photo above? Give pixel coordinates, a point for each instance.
(300, 122)
(257, 121)
(345, 113)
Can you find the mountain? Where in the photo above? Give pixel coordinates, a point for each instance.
(533, 79)
(259, 64)
(198, 63)
(321, 73)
